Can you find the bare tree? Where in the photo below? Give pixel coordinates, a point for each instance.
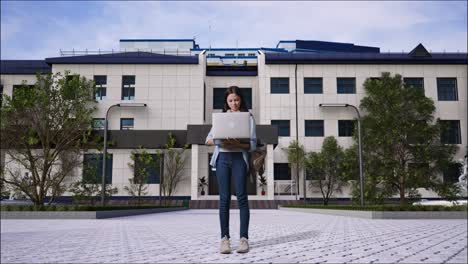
(174, 163)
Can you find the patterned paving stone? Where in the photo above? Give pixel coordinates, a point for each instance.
(193, 236)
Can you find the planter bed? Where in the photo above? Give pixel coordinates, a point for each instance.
(97, 214)
(382, 214)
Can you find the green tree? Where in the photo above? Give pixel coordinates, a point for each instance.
(374, 191)
(174, 163)
(142, 164)
(296, 158)
(43, 130)
(88, 189)
(326, 168)
(401, 139)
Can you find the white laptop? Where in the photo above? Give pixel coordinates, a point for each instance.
(231, 125)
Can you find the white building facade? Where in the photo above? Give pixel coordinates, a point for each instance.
(283, 87)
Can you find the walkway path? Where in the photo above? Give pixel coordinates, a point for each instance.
(193, 236)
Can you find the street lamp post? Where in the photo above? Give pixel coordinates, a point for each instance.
(361, 173)
(104, 152)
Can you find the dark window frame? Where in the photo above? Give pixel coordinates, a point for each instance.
(346, 128)
(279, 169)
(310, 125)
(446, 95)
(128, 87)
(279, 85)
(97, 157)
(313, 85)
(127, 119)
(343, 85)
(413, 81)
(98, 127)
(101, 87)
(446, 136)
(284, 127)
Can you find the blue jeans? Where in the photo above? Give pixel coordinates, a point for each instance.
(232, 164)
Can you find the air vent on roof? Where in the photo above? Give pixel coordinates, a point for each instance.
(419, 51)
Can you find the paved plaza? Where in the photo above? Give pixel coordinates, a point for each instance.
(192, 236)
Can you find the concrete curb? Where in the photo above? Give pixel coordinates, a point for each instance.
(83, 214)
(384, 215)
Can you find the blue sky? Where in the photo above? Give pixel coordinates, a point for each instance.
(36, 30)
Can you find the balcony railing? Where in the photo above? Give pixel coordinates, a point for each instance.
(285, 187)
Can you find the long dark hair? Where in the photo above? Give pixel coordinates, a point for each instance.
(237, 91)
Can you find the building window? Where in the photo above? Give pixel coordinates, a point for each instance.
(98, 123)
(447, 89)
(218, 97)
(128, 87)
(100, 81)
(92, 168)
(252, 54)
(279, 85)
(154, 169)
(417, 83)
(450, 132)
(314, 128)
(452, 172)
(346, 85)
(126, 123)
(229, 54)
(345, 128)
(282, 171)
(283, 127)
(313, 85)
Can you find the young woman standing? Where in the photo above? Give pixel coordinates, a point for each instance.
(231, 159)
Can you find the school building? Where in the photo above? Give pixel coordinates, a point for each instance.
(183, 84)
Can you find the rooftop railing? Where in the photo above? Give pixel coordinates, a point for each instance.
(175, 52)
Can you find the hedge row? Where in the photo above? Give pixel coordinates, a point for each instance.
(385, 207)
(16, 207)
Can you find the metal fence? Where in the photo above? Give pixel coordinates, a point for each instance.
(175, 52)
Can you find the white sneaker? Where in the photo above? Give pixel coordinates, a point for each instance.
(243, 245)
(225, 245)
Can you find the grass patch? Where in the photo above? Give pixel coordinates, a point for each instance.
(384, 207)
(61, 208)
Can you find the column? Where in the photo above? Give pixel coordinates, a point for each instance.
(194, 173)
(270, 173)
